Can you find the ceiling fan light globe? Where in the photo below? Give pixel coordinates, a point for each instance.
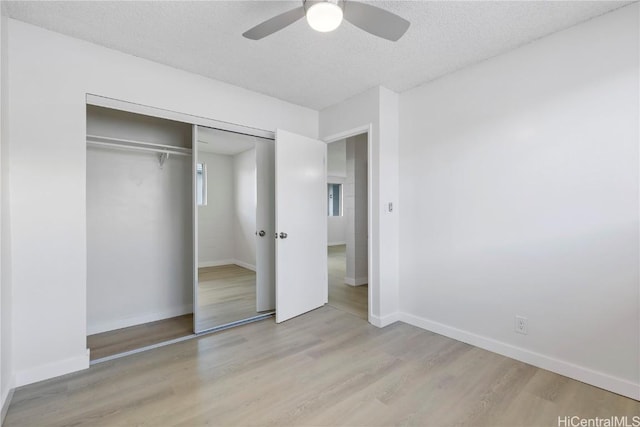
(324, 16)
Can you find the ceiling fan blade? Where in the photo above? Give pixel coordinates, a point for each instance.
(274, 24)
(376, 21)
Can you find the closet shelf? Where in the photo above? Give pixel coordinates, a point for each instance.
(128, 144)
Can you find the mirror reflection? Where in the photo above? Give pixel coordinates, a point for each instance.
(226, 199)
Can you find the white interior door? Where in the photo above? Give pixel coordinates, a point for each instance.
(301, 244)
(265, 226)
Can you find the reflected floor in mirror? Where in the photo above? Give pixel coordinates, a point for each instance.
(226, 294)
(352, 299)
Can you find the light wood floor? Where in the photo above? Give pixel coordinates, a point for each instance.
(325, 368)
(352, 299)
(134, 337)
(226, 294)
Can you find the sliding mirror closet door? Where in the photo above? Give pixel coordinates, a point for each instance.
(231, 250)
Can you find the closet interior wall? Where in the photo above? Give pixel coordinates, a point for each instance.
(139, 223)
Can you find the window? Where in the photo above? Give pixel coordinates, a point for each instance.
(201, 184)
(335, 199)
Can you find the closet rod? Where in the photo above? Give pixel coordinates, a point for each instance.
(134, 148)
(105, 141)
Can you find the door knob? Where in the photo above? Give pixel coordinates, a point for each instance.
(283, 235)
(261, 233)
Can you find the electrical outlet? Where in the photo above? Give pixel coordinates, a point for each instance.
(522, 325)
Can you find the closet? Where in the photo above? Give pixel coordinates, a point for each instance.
(195, 225)
(139, 230)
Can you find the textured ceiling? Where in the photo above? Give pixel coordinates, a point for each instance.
(298, 64)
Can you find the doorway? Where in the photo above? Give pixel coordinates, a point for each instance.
(347, 224)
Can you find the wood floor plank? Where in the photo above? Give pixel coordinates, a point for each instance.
(324, 368)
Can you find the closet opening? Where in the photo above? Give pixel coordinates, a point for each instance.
(180, 226)
(139, 231)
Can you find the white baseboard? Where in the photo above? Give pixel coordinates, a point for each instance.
(336, 243)
(562, 367)
(113, 324)
(244, 264)
(6, 401)
(53, 369)
(218, 263)
(357, 281)
(204, 264)
(382, 321)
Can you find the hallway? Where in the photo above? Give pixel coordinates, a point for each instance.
(350, 299)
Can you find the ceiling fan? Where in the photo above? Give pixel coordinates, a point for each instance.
(326, 15)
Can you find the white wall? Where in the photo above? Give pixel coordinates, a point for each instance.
(227, 225)
(355, 211)
(139, 238)
(378, 108)
(244, 195)
(138, 127)
(519, 194)
(336, 173)
(337, 158)
(6, 380)
(50, 77)
(216, 236)
(139, 264)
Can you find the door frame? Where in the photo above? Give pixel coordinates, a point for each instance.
(368, 129)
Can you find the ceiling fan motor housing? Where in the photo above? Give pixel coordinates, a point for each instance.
(309, 3)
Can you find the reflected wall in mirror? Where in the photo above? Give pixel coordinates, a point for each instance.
(227, 187)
